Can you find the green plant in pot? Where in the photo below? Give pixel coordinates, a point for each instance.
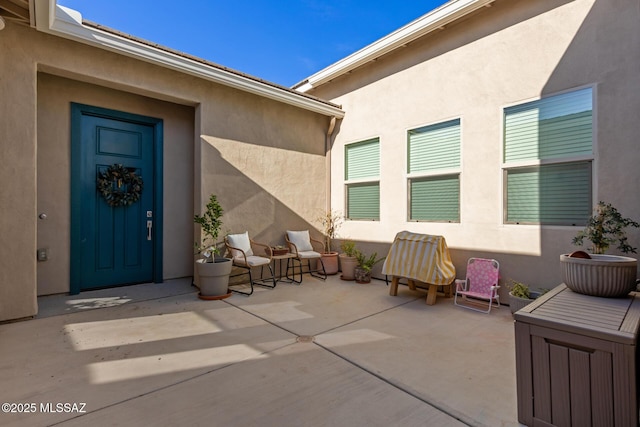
(330, 221)
(520, 295)
(365, 264)
(348, 259)
(598, 274)
(212, 270)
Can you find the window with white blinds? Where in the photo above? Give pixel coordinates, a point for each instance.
(434, 170)
(557, 194)
(362, 180)
(548, 155)
(363, 201)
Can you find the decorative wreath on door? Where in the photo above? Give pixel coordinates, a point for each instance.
(119, 186)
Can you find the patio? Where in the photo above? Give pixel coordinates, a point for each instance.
(319, 354)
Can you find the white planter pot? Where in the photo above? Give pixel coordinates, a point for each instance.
(601, 276)
(214, 278)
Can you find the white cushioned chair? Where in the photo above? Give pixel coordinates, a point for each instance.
(304, 247)
(241, 248)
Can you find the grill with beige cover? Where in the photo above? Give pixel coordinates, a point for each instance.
(420, 257)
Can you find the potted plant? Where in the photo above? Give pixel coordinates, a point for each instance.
(330, 222)
(212, 270)
(598, 274)
(520, 295)
(348, 260)
(365, 264)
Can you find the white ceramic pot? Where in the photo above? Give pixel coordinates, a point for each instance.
(601, 276)
(214, 278)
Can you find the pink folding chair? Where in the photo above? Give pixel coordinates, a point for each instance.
(481, 284)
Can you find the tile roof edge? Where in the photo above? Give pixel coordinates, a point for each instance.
(205, 62)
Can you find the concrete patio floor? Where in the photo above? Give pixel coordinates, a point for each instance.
(330, 353)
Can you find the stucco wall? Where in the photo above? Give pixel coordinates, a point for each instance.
(513, 52)
(265, 160)
(266, 164)
(18, 201)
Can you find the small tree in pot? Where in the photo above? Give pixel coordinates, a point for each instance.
(330, 222)
(213, 271)
(605, 228)
(598, 274)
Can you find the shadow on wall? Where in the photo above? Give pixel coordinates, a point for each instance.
(266, 163)
(604, 54)
(264, 190)
(455, 37)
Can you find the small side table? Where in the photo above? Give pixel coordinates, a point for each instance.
(280, 259)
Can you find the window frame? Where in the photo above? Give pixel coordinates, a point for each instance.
(542, 162)
(360, 181)
(433, 174)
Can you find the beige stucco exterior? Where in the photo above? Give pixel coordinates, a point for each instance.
(264, 159)
(512, 52)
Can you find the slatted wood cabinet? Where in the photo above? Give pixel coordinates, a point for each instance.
(576, 360)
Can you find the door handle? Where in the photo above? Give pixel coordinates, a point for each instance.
(149, 228)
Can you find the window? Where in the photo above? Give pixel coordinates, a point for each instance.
(362, 179)
(434, 172)
(548, 155)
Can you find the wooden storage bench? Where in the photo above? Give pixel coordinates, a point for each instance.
(576, 360)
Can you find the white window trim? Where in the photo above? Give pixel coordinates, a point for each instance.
(348, 182)
(408, 176)
(346, 199)
(593, 158)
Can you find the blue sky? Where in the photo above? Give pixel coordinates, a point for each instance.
(283, 41)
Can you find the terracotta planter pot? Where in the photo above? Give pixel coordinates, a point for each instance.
(330, 262)
(348, 266)
(214, 278)
(601, 276)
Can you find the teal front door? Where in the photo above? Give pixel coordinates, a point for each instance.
(112, 243)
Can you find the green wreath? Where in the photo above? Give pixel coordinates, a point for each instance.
(119, 186)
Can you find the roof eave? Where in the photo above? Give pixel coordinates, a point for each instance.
(57, 20)
(432, 21)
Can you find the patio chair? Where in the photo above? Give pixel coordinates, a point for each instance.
(481, 283)
(305, 248)
(240, 246)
